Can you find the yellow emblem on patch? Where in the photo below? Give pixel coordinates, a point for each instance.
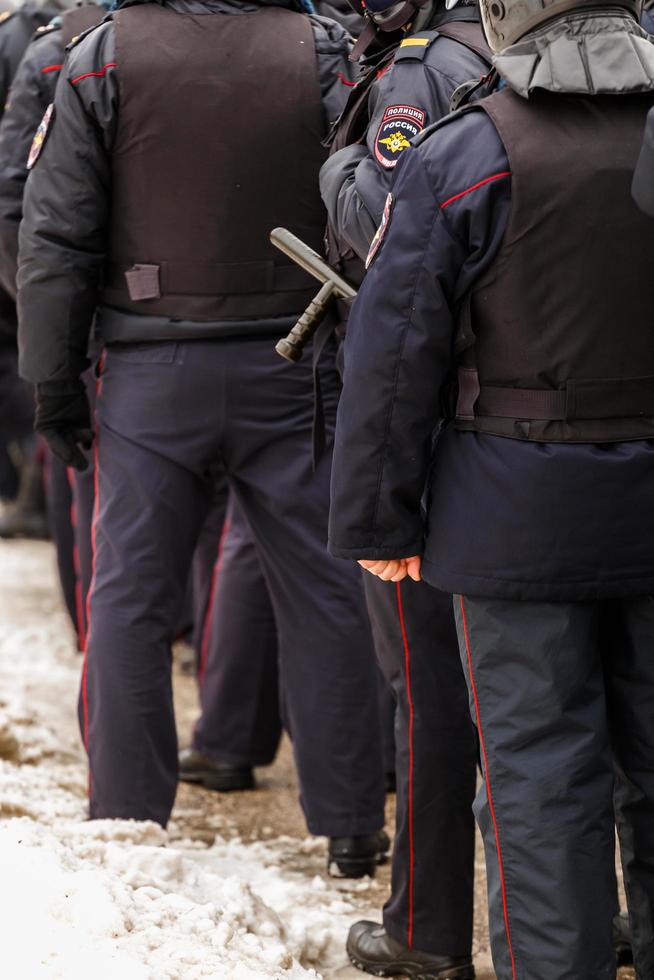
(399, 125)
(396, 142)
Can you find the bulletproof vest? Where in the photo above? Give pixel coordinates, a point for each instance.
(556, 341)
(74, 22)
(352, 125)
(218, 141)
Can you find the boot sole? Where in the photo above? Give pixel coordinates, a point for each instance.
(218, 784)
(411, 971)
(353, 867)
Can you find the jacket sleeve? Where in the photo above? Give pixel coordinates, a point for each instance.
(32, 91)
(15, 35)
(355, 181)
(62, 240)
(335, 70)
(451, 204)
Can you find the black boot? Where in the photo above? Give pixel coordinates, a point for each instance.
(372, 950)
(622, 940)
(356, 857)
(25, 517)
(194, 767)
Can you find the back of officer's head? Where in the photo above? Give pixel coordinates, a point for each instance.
(392, 15)
(507, 21)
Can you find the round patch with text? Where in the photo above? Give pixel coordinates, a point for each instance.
(400, 123)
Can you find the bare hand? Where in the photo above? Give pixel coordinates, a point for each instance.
(396, 569)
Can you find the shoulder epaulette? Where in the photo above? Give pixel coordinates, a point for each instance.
(46, 29)
(415, 47)
(80, 37)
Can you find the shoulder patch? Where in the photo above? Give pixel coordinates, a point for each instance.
(399, 125)
(415, 48)
(380, 234)
(6, 15)
(41, 135)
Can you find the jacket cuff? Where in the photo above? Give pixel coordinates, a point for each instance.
(363, 553)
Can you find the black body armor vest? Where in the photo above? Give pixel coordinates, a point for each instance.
(557, 338)
(218, 141)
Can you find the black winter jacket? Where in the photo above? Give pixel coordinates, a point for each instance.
(16, 30)
(32, 92)
(355, 181)
(505, 518)
(67, 200)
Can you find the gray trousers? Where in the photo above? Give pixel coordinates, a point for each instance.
(563, 697)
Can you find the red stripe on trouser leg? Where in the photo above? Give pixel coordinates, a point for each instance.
(208, 622)
(488, 787)
(79, 598)
(407, 669)
(94, 526)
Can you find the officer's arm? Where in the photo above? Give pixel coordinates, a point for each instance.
(30, 95)
(335, 71)
(643, 182)
(443, 233)
(63, 234)
(355, 181)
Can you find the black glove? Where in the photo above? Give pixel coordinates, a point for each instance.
(63, 417)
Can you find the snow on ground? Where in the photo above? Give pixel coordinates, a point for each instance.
(118, 899)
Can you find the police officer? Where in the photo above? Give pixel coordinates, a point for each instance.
(240, 723)
(70, 498)
(427, 923)
(20, 459)
(499, 265)
(133, 188)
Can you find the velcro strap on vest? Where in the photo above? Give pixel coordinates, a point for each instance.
(604, 398)
(150, 281)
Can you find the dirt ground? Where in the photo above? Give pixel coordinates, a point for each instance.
(273, 811)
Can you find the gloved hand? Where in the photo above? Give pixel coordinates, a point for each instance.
(63, 417)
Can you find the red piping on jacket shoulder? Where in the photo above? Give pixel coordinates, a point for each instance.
(94, 74)
(475, 187)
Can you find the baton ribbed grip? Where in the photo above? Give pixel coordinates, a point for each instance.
(292, 346)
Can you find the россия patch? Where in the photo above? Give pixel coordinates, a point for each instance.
(398, 127)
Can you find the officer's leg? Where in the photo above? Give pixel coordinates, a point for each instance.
(151, 501)
(387, 706)
(60, 519)
(204, 563)
(327, 664)
(546, 809)
(630, 684)
(26, 515)
(83, 491)
(239, 725)
(430, 907)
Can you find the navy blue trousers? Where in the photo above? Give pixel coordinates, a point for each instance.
(562, 695)
(240, 722)
(242, 707)
(431, 903)
(172, 419)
